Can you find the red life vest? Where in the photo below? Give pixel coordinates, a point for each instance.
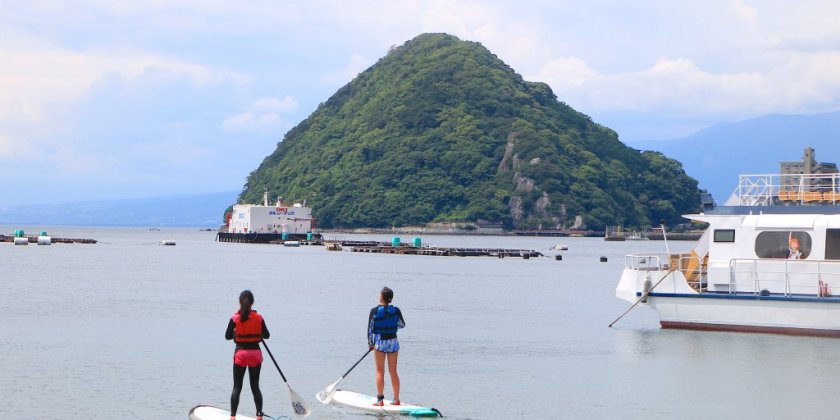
(249, 331)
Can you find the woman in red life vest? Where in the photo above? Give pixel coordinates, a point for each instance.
(383, 322)
(246, 328)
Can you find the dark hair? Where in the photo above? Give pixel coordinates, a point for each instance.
(246, 299)
(387, 295)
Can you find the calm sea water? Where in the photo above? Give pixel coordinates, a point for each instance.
(129, 329)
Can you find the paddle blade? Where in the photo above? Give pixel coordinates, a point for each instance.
(326, 395)
(299, 405)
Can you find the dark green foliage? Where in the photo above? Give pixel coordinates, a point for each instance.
(421, 136)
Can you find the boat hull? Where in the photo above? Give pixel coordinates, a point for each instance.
(263, 238)
(788, 315)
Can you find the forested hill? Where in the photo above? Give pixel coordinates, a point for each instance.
(442, 130)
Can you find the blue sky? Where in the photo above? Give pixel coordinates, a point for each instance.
(102, 99)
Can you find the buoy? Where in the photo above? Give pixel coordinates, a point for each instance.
(558, 257)
(44, 239)
(291, 243)
(21, 241)
(603, 259)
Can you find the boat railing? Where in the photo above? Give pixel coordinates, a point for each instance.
(692, 267)
(774, 189)
(782, 276)
(644, 262)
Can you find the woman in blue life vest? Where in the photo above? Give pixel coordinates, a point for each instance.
(383, 323)
(246, 328)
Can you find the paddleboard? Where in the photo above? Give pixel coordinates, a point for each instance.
(208, 412)
(356, 401)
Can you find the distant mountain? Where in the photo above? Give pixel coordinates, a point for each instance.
(442, 130)
(717, 155)
(181, 210)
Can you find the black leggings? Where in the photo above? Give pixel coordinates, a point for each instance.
(254, 378)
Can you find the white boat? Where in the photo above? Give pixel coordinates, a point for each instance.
(269, 223)
(635, 236)
(768, 262)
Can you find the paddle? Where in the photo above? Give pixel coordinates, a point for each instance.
(326, 394)
(299, 406)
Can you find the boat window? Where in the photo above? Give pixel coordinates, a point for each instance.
(725, 235)
(832, 244)
(793, 245)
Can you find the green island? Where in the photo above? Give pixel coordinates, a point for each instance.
(441, 130)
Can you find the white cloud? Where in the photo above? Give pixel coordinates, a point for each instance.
(287, 105)
(679, 87)
(567, 73)
(355, 65)
(34, 79)
(262, 114)
(745, 13)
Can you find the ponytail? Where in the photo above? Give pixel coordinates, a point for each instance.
(246, 300)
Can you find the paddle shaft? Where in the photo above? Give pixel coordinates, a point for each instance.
(357, 363)
(643, 296)
(275, 362)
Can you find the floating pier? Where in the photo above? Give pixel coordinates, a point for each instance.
(405, 249)
(33, 239)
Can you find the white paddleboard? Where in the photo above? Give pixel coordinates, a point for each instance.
(356, 401)
(207, 412)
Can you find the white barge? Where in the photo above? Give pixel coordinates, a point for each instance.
(253, 223)
(770, 262)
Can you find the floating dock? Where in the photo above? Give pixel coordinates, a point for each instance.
(405, 249)
(33, 239)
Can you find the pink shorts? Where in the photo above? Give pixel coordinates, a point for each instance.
(247, 357)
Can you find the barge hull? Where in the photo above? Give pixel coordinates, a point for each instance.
(263, 238)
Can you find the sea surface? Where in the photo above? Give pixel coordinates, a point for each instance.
(127, 328)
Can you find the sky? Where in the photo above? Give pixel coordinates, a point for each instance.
(103, 99)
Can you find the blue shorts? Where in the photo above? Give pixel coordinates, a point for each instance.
(386, 346)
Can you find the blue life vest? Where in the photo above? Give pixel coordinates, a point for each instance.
(385, 320)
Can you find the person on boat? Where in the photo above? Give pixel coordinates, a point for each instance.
(383, 322)
(247, 329)
(794, 253)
